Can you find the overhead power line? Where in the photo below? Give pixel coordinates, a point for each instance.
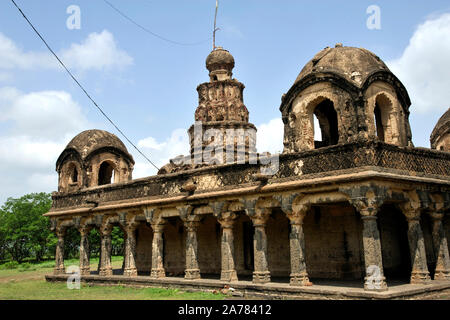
(81, 87)
(151, 32)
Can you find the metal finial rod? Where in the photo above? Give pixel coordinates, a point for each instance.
(215, 28)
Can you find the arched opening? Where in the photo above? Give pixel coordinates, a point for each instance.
(106, 173)
(278, 246)
(427, 229)
(394, 244)
(328, 124)
(144, 239)
(378, 123)
(243, 242)
(73, 174)
(382, 119)
(174, 250)
(333, 244)
(209, 247)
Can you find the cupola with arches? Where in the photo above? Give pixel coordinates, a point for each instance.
(93, 158)
(345, 94)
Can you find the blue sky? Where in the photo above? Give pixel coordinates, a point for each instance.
(148, 86)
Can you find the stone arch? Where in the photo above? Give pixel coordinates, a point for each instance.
(70, 176)
(333, 237)
(329, 104)
(387, 120)
(107, 173)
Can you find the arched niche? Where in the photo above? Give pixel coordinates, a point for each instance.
(327, 104)
(70, 176)
(107, 173)
(386, 119)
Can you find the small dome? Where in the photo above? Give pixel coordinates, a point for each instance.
(90, 140)
(219, 59)
(442, 127)
(354, 64)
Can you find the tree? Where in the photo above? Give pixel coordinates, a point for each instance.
(24, 230)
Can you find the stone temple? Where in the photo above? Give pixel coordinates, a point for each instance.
(362, 206)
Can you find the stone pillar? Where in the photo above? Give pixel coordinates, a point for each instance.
(84, 251)
(192, 269)
(157, 251)
(419, 273)
(442, 271)
(299, 275)
(373, 258)
(105, 268)
(228, 273)
(130, 269)
(261, 274)
(59, 254)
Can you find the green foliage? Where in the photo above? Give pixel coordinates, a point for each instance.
(117, 241)
(24, 231)
(9, 265)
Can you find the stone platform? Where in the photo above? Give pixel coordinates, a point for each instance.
(321, 290)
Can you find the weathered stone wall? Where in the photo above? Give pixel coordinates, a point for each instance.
(208, 238)
(144, 238)
(174, 247)
(333, 239)
(394, 242)
(278, 250)
(329, 159)
(243, 245)
(443, 143)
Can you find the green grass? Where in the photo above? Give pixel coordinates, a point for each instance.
(27, 281)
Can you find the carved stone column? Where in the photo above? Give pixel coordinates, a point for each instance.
(442, 271)
(105, 268)
(419, 273)
(373, 258)
(130, 269)
(296, 215)
(261, 274)
(192, 269)
(228, 273)
(259, 217)
(59, 254)
(299, 275)
(367, 199)
(84, 251)
(191, 223)
(157, 251)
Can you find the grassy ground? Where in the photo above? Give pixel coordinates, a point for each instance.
(27, 282)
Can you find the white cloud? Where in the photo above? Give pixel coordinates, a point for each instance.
(269, 136)
(44, 114)
(11, 56)
(97, 52)
(38, 127)
(160, 152)
(424, 65)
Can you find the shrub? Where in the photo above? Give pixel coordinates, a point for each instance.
(9, 265)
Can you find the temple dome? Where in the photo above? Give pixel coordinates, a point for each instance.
(353, 64)
(89, 141)
(442, 127)
(219, 59)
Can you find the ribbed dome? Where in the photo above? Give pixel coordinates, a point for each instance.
(354, 64)
(219, 59)
(441, 127)
(90, 140)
